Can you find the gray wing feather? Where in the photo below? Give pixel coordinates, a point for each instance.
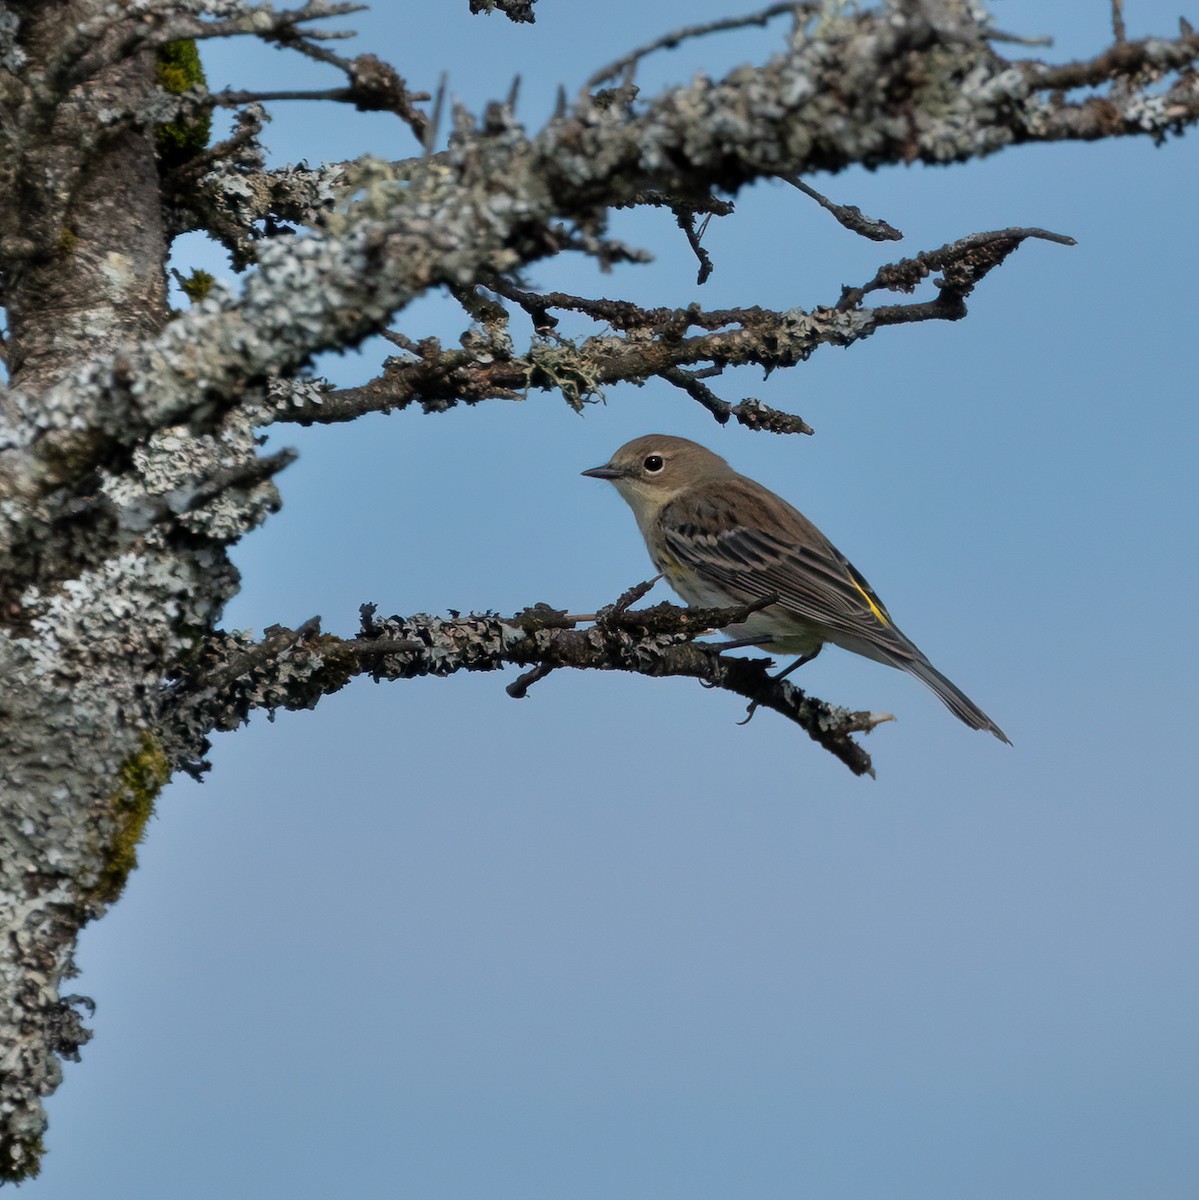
(755, 545)
(811, 578)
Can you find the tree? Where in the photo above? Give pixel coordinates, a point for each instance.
(129, 459)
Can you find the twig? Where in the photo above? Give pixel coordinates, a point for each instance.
(347, 95)
(995, 35)
(518, 689)
(627, 599)
(434, 123)
(1125, 59)
(190, 497)
(90, 48)
(751, 413)
(849, 215)
(963, 262)
(686, 222)
(670, 40)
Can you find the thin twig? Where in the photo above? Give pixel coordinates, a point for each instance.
(627, 599)
(669, 41)
(686, 222)
(849, 215)
(434, 124)
(1017, 39)
(231, 99)
(751, 413)
(197, 494)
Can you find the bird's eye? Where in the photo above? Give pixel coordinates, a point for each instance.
(653, 464)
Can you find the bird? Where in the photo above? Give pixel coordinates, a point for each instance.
(721, 539)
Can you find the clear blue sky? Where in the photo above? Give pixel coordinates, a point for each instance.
(604, 944)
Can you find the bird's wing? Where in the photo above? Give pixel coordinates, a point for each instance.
(764, 547)
(754, 545)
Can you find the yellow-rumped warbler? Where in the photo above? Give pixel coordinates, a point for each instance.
(722, 539)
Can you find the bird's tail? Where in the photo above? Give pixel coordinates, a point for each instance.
(951, 695)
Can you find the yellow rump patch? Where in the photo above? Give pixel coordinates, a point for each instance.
(874, 606)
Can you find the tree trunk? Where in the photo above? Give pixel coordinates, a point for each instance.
(86, 626)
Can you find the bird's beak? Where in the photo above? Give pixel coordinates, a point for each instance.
(604, 472)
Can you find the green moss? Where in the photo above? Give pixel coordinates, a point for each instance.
(140, 779)
(180, 70)
(197, 285)
(21, 1158)
(68, 239)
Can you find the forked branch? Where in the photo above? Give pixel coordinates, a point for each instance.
(646, 343)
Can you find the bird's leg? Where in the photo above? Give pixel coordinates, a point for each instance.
(740, 643)
(799, 662)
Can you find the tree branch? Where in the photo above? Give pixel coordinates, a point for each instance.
(373, 86)
(856, 96)
(624, 65)
(849, 215)
(652, 343)
(111, 37)
(1151, 57)
(293, 668)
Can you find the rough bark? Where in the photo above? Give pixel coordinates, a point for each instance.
(128, 464)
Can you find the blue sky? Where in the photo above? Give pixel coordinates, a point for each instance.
(431, 942)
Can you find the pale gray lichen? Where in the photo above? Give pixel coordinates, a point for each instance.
(1157, 114)
(12, 56)
(284, 395)
(171, 470)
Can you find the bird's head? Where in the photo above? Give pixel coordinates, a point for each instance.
(651, 471)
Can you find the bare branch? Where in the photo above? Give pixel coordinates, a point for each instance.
(849, 215)
(962, 264)
(749, 412)
(373, 87)
(625, 64)
(694, 237)
(1015, 39)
